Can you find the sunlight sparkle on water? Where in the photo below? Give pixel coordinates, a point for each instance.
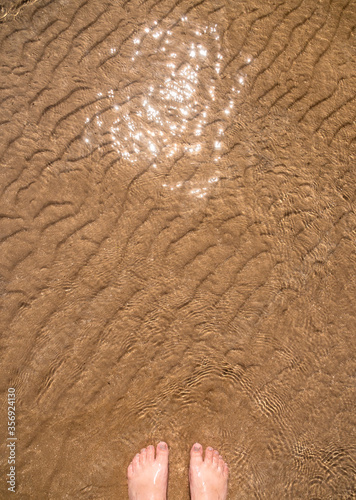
(172, 104)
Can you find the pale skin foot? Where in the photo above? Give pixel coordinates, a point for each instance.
(147, 476)
(208, 478)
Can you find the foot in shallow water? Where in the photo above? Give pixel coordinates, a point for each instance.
(208, 478)
(147, 476)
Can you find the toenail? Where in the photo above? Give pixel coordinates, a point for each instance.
(197, 447)
(162, 446)
(210, 448)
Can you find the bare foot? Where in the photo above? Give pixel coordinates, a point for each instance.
(147, 476)
(208, 478)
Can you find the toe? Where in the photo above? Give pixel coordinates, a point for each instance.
(162, 452)
(196, 454)
(209, 455)
(221, 463)
(226, 470)
(136, 462)
(150, 453)
(130, 471)
(215, 458)
(143, 456)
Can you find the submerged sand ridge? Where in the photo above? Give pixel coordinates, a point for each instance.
(178, 243)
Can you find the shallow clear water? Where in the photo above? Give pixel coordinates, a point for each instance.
(178, 243)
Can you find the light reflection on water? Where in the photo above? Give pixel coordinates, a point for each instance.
(167, 117)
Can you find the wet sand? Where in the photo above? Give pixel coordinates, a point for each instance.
(178, 243)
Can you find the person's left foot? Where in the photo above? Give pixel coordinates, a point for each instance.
(148, 476)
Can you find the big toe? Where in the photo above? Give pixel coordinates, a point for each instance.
(196, 454)
(162, 452)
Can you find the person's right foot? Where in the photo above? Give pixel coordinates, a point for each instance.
(208, 478)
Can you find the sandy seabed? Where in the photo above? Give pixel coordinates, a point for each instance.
(177, 240)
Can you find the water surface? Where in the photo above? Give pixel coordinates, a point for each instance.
(178, 243)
